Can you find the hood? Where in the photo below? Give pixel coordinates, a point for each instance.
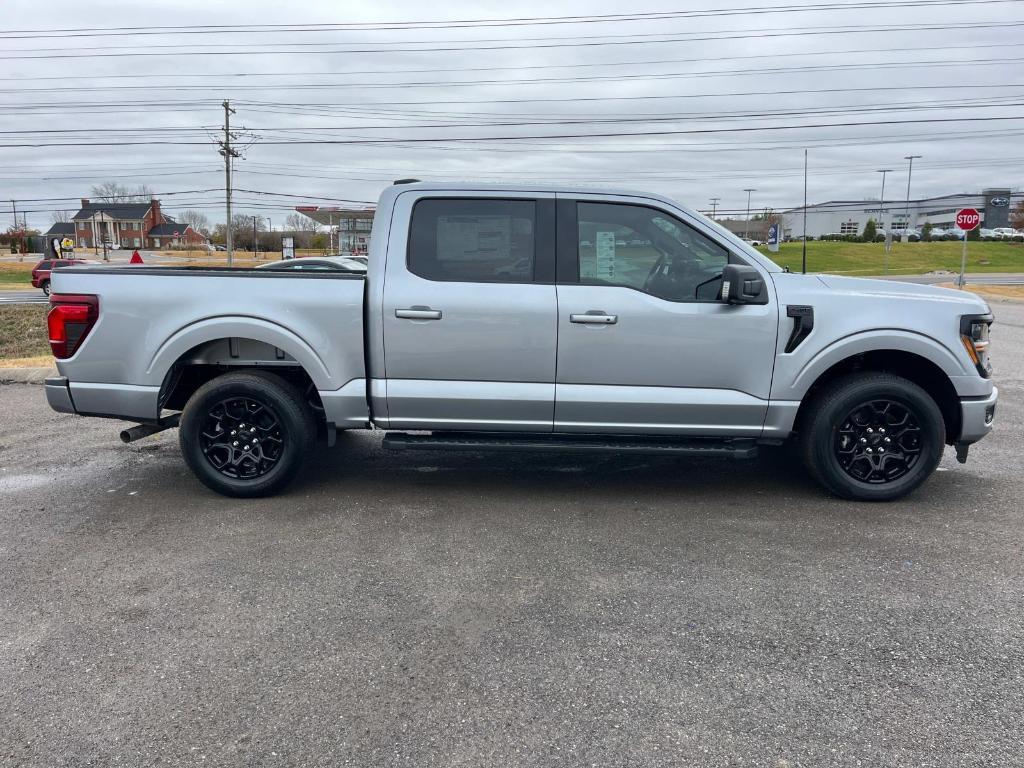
(907, 291)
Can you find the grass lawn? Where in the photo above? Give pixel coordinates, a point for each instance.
(15, 274)
(905, 258)
(23, 332)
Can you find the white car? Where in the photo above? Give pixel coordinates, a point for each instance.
(1004, 233)
(987, 234)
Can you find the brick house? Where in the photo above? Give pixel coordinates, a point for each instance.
(130, 225)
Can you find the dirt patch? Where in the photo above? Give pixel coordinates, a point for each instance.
(999, 292)
(23, 332)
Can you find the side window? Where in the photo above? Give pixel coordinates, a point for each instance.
(649, 250)
(473, 241)
(44, 265)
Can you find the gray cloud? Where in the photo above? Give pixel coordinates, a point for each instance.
(857, 77)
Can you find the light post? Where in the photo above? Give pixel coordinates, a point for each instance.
(746, 226)
(881, 213)
(910, 172)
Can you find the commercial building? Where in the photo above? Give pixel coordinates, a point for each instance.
(349, 228)
(848, 217)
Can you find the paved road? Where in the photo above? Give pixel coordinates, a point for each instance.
(33, 296)
(487, 610)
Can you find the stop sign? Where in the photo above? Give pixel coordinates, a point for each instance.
(967, 219)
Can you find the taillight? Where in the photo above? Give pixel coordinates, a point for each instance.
(69, 320)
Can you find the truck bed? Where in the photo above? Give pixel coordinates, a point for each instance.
(152, 317)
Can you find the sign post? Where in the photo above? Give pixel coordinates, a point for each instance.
(966, 220)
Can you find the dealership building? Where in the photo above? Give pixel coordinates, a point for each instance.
(848, 217)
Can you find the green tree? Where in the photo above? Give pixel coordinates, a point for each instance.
(869, 231)
(926, 232)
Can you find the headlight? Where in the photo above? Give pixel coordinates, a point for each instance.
(974, 333)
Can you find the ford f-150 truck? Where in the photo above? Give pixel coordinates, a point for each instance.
(530, 318)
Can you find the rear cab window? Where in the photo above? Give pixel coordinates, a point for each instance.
(482, 240)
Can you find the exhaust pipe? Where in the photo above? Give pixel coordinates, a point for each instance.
(140, 431)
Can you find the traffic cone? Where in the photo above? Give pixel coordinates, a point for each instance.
(136, 259)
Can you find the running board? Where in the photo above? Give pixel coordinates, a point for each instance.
(737, 448)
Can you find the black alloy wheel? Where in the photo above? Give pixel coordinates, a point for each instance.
(879, 441)
(871, 436)
(246, 434)
(242, 437)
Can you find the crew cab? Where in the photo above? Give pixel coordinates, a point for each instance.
(526, 318)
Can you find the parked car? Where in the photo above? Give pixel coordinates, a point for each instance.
(41, 271)
(503, 331)
(318, 263)
(1003, 233)
(987, 234)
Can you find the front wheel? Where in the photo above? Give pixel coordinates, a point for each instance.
(246, 434)
(872, 437)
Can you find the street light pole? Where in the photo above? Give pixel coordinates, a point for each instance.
(910, 172)
(746, 226)
(881, 212)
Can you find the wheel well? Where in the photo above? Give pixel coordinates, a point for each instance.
(211, 359)
(917, 369)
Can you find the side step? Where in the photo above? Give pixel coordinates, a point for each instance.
(736, 448)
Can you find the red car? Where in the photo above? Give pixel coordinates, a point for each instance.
(41, 271)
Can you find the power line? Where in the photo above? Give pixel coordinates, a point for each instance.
(267, 50)
(350, 73)
(515, 21)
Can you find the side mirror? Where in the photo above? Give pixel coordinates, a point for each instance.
(743, 285)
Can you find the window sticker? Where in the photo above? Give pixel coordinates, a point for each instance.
(474, 238)
(605, 246)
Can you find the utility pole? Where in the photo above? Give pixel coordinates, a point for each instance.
(229, 154)
(910, 171)
(881, 214)
(255, 247)
(805, 215)
(746, 226)
(21, 240)
(95, 246)
(714, 206)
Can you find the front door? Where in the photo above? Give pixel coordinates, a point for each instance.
(470, 314)
(644, 346)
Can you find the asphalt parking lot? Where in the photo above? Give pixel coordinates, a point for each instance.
(482, 609)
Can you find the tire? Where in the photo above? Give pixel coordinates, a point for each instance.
(872, 437)
(45, 285)
(273, 431)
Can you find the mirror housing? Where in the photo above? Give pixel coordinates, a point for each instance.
(742, 284)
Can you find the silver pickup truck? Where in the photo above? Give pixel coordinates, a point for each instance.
(526, 318)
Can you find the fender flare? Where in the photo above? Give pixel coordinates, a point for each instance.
(244, 327)
(874, 340)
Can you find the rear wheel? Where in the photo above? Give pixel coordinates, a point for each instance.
(246, 434)
(872, 436)
(45, 285)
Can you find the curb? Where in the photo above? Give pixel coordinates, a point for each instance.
(25, 375)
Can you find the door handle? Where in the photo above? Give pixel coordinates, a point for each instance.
(594, 318)
(418, 313)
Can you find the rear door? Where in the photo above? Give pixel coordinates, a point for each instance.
(644, 345)
(470, 313)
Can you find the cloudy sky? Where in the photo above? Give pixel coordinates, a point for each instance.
(334, 100)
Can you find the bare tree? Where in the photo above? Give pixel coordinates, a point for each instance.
(296, 222)
(1017, 217)
(112, 192)
(197, 220)
(60, 217)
